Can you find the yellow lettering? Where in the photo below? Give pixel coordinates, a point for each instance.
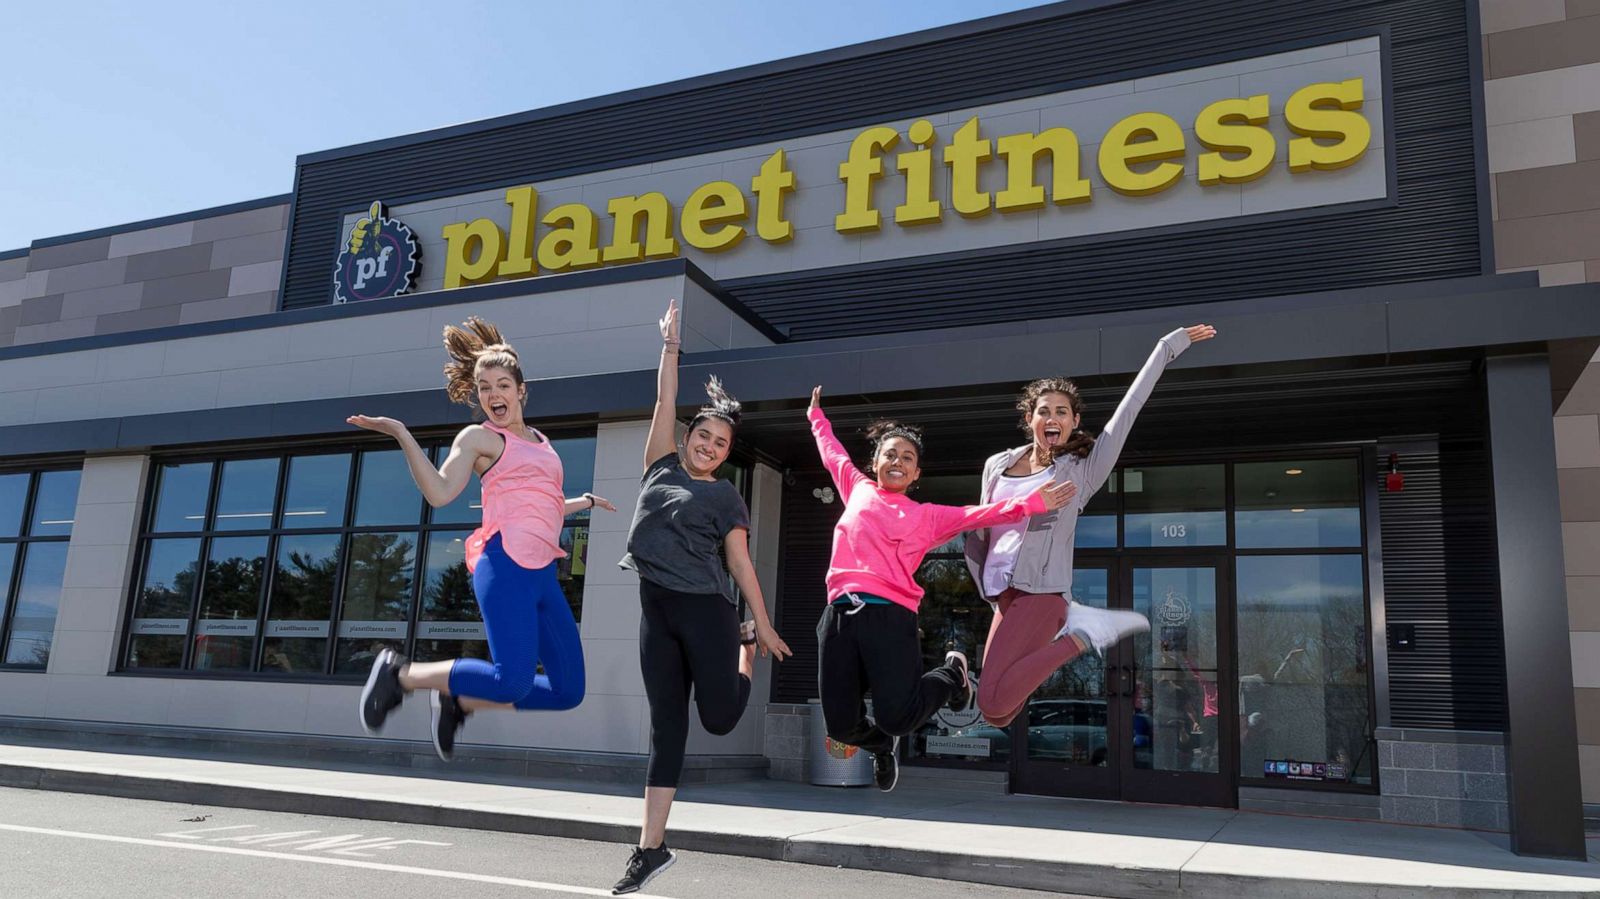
(716, 203)
(920, 206)
(524, 203)
(965, 155)
(1234, 126)
(1141, 138)
(573, 246)
(1327, 111)
(625, 214)
(1022, 152)
(858, 172)
(769, 187)
(460, 265)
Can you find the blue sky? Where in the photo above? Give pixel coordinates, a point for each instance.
(114, 113)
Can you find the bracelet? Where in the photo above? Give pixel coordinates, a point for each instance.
(590, 498)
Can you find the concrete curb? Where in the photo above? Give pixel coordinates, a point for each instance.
(1018, 872)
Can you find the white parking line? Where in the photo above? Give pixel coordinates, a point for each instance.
(315, 860)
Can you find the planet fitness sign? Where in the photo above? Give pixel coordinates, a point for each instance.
(378, 259)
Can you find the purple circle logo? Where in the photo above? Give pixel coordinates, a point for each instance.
(378, 259)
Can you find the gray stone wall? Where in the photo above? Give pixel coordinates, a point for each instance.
(1450, 778)
(785, 742)
(210, 268)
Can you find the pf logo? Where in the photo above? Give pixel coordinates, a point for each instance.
(377, 259)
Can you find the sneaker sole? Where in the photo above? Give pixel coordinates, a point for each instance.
(671, 858)
(366, 693)
(435, 713)
(894, 751)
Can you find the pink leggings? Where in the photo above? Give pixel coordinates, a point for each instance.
(1020, 653)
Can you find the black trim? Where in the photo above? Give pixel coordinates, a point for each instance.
(1480, 130)
(178, 218)
(14, 254)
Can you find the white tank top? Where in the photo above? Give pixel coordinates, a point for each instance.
(1006, 540)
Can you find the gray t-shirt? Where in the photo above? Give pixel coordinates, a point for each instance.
(678, 527)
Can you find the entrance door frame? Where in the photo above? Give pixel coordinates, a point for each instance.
(1118, 779)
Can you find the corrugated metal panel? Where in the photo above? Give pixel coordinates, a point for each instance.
(1440, 576)
(1432, 233)
(802, 569)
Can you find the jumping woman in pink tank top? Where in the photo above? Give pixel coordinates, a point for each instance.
(512, 557)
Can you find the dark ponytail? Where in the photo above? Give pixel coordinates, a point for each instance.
(885, 429)
(722, 406)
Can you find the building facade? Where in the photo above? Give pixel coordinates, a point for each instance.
(1359, 520)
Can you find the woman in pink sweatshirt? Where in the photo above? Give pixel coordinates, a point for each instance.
(868, 632)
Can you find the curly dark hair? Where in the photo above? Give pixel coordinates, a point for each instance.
(885, 429)
(1079, 442)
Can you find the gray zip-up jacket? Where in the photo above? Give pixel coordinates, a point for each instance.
(1044, 561)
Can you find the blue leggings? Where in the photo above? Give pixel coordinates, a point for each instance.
(528, 622)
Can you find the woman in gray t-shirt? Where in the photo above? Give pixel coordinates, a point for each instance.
(689, 632)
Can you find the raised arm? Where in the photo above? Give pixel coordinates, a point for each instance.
(948, 521)
(663, 424)
(1108, 446)
(846, 476)
(438, 485)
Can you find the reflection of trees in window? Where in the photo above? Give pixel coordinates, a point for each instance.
(303, 590)
(158, 600)
(233, 587)
(448, 595)
(381, 569)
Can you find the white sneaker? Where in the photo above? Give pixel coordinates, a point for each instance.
(1101, 628)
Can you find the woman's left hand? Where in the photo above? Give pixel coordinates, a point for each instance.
(1198, 333)
(601, 502)
(1058, 495)
(772, 644)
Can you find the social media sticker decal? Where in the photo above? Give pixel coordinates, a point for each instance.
(377, 259)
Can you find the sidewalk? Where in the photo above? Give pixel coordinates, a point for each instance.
(1110, 849)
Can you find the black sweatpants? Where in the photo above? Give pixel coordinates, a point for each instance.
(687, 639)
(875, 649)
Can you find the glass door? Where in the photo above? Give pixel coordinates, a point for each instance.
(1171, 685)
(1065, 729)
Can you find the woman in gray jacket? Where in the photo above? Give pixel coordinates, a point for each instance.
(1025, 570)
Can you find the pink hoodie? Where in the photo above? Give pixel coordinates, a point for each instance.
(881, 538)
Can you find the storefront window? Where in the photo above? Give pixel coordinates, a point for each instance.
(37, 511)
(1297, 504)
(284, 585)
(1303, 672)
(1175, 505)
(1097, 526)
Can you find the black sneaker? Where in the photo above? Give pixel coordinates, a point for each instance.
(383, 693)
(886, 768)
(448, 716)
(643, 866)
(962, 697)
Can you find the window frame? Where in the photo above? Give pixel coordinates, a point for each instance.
(420, 528)
(22, 542)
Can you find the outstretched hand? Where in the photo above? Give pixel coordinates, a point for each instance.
(601, 502)
(1198, 333)
(1058, 495)
(816, 398)
(393, 427)
(669, 323)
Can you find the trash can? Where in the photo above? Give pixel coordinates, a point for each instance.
(834, 764)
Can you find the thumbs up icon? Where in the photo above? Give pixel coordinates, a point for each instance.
(367, 229)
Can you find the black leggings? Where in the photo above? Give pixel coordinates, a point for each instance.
(684, 639)
(876, 649)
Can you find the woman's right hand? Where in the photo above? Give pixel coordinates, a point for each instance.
(816, 398)
(393, 427)
(669, 324)
(1198, 333)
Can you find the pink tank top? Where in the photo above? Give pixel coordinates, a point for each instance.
(522, 502)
